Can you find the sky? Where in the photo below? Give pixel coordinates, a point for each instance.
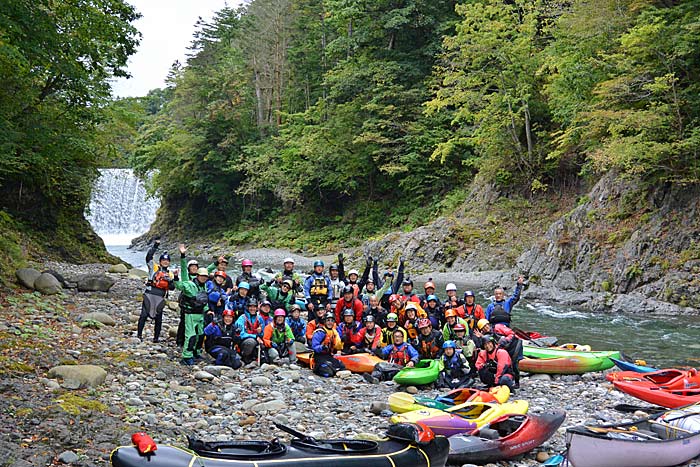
(166, 27)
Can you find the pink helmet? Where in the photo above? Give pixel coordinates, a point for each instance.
(280, 312)
(246, 262)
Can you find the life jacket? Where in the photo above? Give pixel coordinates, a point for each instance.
(196, 304)
(319, 286)
(349, 332)
(499, 315)
(161, 280)
(330, 337)
(226, 339)
(411, 329)
(297, 325)
(428, 347)
(454, 366)
(252, 327)
(399, 356)
(279, 334)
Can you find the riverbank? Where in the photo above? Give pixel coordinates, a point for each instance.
(147, 389)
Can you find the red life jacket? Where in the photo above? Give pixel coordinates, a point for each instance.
(428, 348)
(253, 327)
(399, 356)
(160, 280)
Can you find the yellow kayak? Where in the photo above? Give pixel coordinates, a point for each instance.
(402, 402)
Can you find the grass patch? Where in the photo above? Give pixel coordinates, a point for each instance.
(74, 404)
(10, 366)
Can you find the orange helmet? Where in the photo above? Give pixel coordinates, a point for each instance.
(450, 312)
(220, 274)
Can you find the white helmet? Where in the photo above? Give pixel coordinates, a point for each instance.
(288, 260)
(450, 286)
(354, 271)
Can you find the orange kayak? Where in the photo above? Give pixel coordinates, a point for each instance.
(357, 363)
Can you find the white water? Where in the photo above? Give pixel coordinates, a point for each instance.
(120, 211)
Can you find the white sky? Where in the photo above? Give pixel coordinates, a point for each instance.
(166, 27)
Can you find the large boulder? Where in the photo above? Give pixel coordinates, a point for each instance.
(59, 277)
(27, 277)
(100, 317)
(118, 269)
(138, 272)
(95, 283)
(74, 376)
(47, 284)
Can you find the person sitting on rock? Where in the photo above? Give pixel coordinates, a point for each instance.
(348, 302)
(265, 309)
(315, 323)
(392, 324)
(410, 322)
(429, 341)
(250, 328)
(159, 282)
(465, 344)
(297, 324)
(324, 343)
(503, 314)
(221, 264)
(279, 339)
(195, 302)
(370, 336)
(506, 340)
(398, 355)
(217, 296)
(238, 302)
(349, 332)
(376, 311)
(494, 364)
(456, 371)
(220, 340)
(451, 320)
(282, 296)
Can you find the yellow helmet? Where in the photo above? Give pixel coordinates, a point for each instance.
(482, 323)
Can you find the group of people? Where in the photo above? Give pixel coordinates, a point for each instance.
(249, 320)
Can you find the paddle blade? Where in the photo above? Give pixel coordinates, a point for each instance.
(554, 460)
(402, 402)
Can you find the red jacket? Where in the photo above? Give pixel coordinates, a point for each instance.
(356, 305)
(375, 341)
(503, 362)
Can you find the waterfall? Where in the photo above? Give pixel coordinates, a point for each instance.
(119, 208)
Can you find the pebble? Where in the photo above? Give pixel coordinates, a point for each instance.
(261, 381)
(542, 456)
(412, 390)
(204, 376)
(247, 421)
(68, 457)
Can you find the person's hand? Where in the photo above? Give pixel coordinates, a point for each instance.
(521, 280)
(477, 333)
(259, 339)
(221, 259)
(352, 347)
(324, 348)
(182, 248)
(210, 313)
(219, 303)
(410, 364)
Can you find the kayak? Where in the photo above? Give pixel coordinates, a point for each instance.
(301, 452)
(402, 402)
(574, 365)
(504, 438)
(357, 363)
(463, 418)
(550, 352)
(629, 366)
(667, 379)
(671, 398)
(425, 372)
(666, 439)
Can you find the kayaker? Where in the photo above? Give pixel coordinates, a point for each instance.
(392, 324)
(348, 302)
(189, 272)
(195, 302)
(337, 283)
(429, 289)
(452, 299)
(282, 296)
(325, 342)
(429, 341)
(279, 338)
(473, 312)
(410, 322)
(494, 364)
(376, 311)
(451, 320)
(247, 276)
(434, 311)
(397, 306)
(317, 289)
(159, 282)
(349, 332)
(288, 273)
(238, 302)
(297, 324)
(506, 340)
(265, 311)
(370, 335)
(315, 323)
(250, 328)
(503, 315)
(217, 297)
(398, 355)
(352, 281)
(220, 341)
(408, 294)
(456, 371)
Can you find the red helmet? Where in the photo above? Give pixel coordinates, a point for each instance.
(423, 323)
(393, 298)
(459, 327)
(220, 274)
(229, 313)
(246, 262)
(280, 312)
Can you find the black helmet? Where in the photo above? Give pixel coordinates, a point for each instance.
(348, 289)
(253, 301)
(164, 256)
(333, 267)
(488, 338)
(407, 281)
(369, 319)
(329, 315)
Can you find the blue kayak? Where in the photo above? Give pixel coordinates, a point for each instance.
(629, 366)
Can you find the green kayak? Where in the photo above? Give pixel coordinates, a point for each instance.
(425, 372)
(553, 352)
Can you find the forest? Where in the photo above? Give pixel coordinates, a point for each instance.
(347, 117)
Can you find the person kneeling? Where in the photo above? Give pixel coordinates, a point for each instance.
(456, 368)
(220, 341)
(398, 355)
(325, 342)
(494, 364)
(279, 338)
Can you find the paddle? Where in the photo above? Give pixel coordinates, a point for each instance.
(629, 408)
(671, 427)
(297, 434)
(599, 429)
(401, 402)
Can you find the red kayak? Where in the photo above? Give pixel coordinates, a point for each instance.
(648, 392)
(667, 379)
(504, 438)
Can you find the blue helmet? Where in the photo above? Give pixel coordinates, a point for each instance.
(244, 285)
(449, 345)
(431, 297)
(318, 262)
(468, 293)
(164, 256)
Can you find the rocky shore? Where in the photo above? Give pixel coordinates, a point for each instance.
(54, 415)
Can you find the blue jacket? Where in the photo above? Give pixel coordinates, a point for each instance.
(298, 326)
(216, 292)
(405, 347)
(237, 303)
(245, 325)
(309, 282)
(507, 304)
